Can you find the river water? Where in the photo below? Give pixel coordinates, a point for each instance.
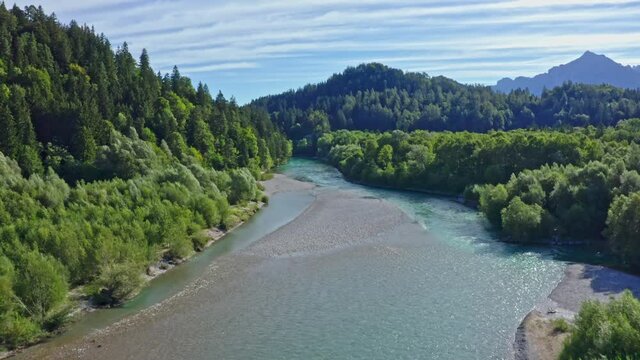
(458, 294)
(451, 291)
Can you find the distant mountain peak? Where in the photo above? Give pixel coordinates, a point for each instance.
(589, 53)
(593, 57)
(590, 68)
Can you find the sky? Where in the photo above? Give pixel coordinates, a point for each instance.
(249, 49)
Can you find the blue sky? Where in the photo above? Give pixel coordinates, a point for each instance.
(254, 48)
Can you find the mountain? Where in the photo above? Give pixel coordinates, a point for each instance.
(590, 68)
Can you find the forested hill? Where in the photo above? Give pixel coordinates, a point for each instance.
(107, 167)
(63, 90)
(377, 97)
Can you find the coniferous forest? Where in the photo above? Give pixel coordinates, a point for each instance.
(106, 167)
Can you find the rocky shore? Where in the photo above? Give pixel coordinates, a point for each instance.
(536, 338)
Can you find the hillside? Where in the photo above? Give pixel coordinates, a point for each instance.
(107, 167)
(377, 97)
(590, 68)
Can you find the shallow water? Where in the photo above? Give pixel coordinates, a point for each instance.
(283, 208)
(446, 290)
(451, 292)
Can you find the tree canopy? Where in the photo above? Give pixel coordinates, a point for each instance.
(379, 98)
(106, 166)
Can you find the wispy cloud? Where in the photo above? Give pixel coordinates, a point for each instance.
(220, 66)
(251, 48)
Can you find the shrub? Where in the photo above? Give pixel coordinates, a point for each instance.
(605, 331)
(200, 240)
(243, 186)
(116, 283)
(40, 283)
(560, 325)
(16, 330)
(180, 247)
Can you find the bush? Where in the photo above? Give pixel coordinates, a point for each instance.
(560, 325)
(40, 284)
(605, 331)
(116, 283)
(200, 240)
(208, 208)
(243, 186)
(16, 330)
(180, 247)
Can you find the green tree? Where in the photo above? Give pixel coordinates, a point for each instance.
(40, 284)
(623, 227)
(493, 199)
(521, 221)
(385, 156)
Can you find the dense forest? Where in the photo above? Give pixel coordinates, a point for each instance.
(106, 166)
(376, 97)
(532, 184)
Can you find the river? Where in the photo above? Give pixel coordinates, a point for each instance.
(448, 291)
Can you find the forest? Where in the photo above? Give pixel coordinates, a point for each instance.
(379, 98)
(107, 166)
(533, 185)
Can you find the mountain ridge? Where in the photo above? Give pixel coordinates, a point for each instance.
(590, 68)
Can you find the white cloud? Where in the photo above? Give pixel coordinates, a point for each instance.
(469, 40)
(219, 66)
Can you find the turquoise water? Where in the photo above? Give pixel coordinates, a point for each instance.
(455, 292)
(448, 290)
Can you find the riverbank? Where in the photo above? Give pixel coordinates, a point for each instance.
(213, 235)
(333, 221)
(536, 338)
(83, 305)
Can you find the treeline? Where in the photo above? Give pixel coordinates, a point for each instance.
(106, 166)
(376, 97)
(533, 185)
(449, 162)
